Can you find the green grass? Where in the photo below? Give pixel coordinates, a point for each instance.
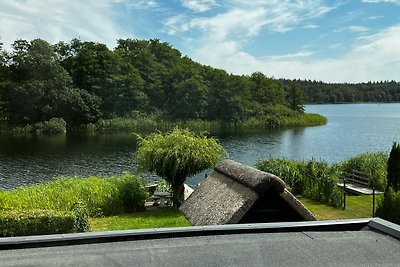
(108, 196)
(140, 220)
(357, 207)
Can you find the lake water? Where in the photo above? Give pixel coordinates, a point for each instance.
(351, 129)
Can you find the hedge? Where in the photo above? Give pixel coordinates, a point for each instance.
(42, 222)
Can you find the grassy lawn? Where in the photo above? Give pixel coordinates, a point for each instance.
(139, 220)
(357, 207)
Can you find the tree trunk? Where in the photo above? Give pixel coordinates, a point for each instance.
(177, 195)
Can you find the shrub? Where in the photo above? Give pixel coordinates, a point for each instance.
(312, 179)
(52, 127)
(388, 207)
(372, 164)
(99, 196)
(393, 167)
(41, 222)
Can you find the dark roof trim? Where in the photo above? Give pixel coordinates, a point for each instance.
(248, 176)
(128, 235)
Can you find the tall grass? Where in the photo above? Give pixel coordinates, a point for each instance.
(311, 179)
(100, 196)
(318, 180)
(374, 164)
(151, 124)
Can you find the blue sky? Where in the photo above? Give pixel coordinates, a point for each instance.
(332, 41)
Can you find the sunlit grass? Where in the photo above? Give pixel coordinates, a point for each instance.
(140, 220)
(357, 207)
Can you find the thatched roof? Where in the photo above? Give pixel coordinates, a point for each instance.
(229, 192)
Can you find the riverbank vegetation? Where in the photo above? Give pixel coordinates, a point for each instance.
(85, 83)
(99, 196)
(317, 180)
(67, 203)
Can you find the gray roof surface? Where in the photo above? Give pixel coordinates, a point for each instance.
(348, 248)
(359, 242)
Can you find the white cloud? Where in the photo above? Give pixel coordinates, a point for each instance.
(198, 5)
(375, 57)
(55, 20)
(358, 28)
(247, 18)
(382, 1)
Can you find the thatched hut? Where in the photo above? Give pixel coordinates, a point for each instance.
(236, 193)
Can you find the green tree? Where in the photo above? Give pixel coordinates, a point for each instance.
(177, 155)
(393, 168)
(295, 97)
(4, 80)
(41, 89)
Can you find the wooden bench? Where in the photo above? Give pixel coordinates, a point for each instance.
(356, 183)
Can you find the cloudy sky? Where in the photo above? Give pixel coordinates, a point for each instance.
(332, 41)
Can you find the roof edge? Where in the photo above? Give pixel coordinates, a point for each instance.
(154, 233)
(251, 177)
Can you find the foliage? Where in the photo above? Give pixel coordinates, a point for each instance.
(82, 82)
(163, 186)
(389, 207)
(41, 222)
(177, 155)
(311, 179)
(52, 127)
(82, 223)
(40, 89)
(319, 92)
(371, 163)
(393, 168)
(99, 196)
(295, 96)
(149, 219)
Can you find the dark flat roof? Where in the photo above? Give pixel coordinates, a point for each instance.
(365, 242)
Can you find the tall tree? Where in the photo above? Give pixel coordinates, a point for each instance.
(4, 80)
(393, 168)
(177, 155)
(41, 89)
(295, 96)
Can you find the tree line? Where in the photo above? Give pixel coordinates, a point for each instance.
(319, 92)
(81, 82)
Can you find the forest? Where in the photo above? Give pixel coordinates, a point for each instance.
(319, 92)
(82, 82)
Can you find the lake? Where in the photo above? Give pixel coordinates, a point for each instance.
(351, 129)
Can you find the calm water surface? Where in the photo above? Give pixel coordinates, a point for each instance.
(351, 129)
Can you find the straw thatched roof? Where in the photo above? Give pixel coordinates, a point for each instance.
(236, 193)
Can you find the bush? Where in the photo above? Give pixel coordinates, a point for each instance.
(389, 207)
(373, 164)
(99, 196)
(41, 222)
(52, 127)
(312, 179)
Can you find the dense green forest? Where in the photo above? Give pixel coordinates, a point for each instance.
(319, 92)
(82, 82)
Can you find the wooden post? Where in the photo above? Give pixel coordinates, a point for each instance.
(373, 202)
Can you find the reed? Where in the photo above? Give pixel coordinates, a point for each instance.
(100, 196)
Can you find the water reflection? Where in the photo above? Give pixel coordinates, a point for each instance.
(351, 129)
